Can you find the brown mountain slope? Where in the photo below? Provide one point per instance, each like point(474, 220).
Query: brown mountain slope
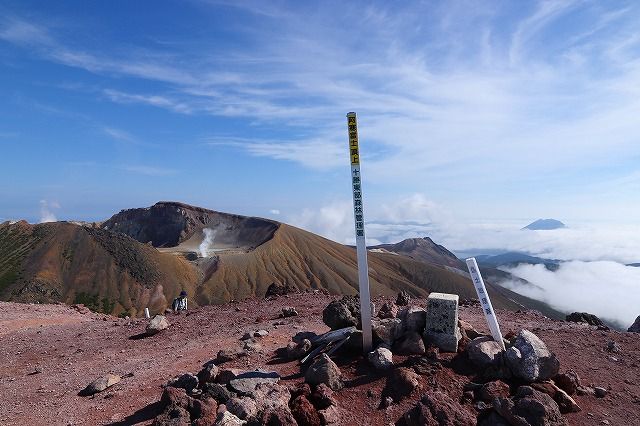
point(168, 224)
point(305, 260)
point(425, 250)
point(76, 264)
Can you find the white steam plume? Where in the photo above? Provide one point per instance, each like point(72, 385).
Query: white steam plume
point(205, 245)
point(46, 213)
point(610, 290)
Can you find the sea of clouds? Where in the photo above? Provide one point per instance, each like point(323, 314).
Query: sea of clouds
point(592, 277)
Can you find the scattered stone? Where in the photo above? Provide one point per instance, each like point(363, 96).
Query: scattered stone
point(468, 330)
point(243, 408)
point(300, 389)
point(403, 298)
point(410, 344)
point(156, 325)
point(529, 358)
point(273, 402)
point(388, 310)
point(288, 311)
point(387, 402)
point(496, 389)
point(442, 321)
point(216, 391)
point(613, 347)
point(413, 318)
point(187, 382)
point(251, 345)
point(584, 317)
point(100, 384)
point(400, 383)
point(280, 416)
point(600, 392)
point(342, 313)
point(484, 352)
point(208, 373)
point(246, 383)
point(276, 289)
point(568, 381)
point(298, 350)
point(227, 374)
point(387, 330)
point(381, 359)
point(585, 390)
point(304, 412)
point(437, 408)
point(322, 397)
point(226, 355)
point(260, 333)
point(304, 335)
point(330, 416)
point(246, 336)
point(635, 327)
point(529, 407)
point(324, 370)
point(227, 418)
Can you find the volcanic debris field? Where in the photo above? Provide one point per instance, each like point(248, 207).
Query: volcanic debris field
point(50, 353)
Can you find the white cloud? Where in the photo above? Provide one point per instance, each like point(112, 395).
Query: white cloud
point(149, 170)
point(274, 211)
point(583, 286)
point(46, 211)
point(332, 221)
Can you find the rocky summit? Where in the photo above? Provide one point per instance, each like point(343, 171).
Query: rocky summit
point(197, 371)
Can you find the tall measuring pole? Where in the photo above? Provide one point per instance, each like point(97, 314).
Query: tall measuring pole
point(361, 245)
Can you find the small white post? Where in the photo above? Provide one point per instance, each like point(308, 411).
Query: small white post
point(361, 245)
point(146, 313)
point(485, 302)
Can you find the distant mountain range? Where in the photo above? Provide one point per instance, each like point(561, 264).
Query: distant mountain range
point(512, 259)
point(144, 257)
point(545, 225)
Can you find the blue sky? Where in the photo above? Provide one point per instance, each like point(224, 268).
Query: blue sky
point(469, 112)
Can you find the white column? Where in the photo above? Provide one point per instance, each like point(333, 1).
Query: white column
point(361, 245)
point(485, 302)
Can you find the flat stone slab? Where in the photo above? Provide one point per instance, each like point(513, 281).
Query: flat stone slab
point(246, 383)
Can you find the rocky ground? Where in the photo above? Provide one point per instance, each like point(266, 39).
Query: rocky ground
point(49, 353)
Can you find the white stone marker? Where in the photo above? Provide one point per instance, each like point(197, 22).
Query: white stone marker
point(442, 321)
point(146, 313)
point(485, 302)
point(361, 245)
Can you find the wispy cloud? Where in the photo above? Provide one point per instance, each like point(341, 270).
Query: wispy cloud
point(149, 170)
point(500, 96)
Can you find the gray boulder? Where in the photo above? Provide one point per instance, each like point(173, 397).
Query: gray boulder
point(529, 358)
point(387, 330)
point(227, 418)
point(388, 310)
point(324, 370)
point(410, 344)
point(635, 327)
point(484, 352)
point(403, 298)
point(156, 325)
point(342, 313)
point(246, 383)
point(529, 407)
point(243, 408)
point(413, 318)
point(297, 350)
point(208, 373)
point(100, 384)
point(381, 359)
point(187, 382)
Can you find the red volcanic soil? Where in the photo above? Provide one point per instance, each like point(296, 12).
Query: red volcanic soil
point(48, 353)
